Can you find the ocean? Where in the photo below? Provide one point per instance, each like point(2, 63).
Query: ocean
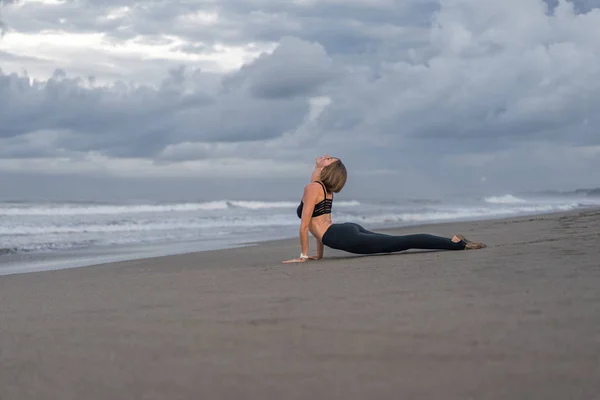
point(37, 236)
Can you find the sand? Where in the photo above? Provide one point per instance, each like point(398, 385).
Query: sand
point(518, 320)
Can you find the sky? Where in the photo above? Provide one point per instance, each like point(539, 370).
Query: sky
point(234, 99)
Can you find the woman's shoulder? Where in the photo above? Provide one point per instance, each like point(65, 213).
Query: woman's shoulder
point(315, 186)
point(313, 189)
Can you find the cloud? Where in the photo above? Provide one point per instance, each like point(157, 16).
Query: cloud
point(125, 120)
point(3, 3)
point(295, 68)
point(106, 38)
point(418, 87)
point(579, 6)
point(491, 71)
point(267, 98)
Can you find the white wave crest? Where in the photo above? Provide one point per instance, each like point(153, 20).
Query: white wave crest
point(259, 205)
point(78, 209)
point(146, 226)
point(349, 203)
point(455, 215)
point(109, 209)
point(506, 199)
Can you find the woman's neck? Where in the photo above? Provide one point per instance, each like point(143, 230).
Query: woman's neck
point(316, 175)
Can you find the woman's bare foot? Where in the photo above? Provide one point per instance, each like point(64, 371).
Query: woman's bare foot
point(469, 245)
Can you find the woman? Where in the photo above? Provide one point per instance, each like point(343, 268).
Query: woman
point(328, 177)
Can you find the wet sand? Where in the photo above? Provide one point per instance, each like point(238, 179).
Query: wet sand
point(518, 320)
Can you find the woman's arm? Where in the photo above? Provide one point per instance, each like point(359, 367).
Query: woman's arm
point(320, 250)
point(309, 198)
point(311, 192)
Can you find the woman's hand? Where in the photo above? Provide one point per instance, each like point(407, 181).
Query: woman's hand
point(295, 260)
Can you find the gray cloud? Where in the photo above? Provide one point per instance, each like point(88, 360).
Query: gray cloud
point(349, 28)
point(3, 3)
point(536, 83)
point(580, 6)
point(341, 27)
point(125, 120)
point(462, 87)
point(295, 68)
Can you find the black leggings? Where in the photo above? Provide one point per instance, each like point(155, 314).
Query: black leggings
point(353, 238)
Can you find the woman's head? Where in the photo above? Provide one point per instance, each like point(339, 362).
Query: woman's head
point(333, 173)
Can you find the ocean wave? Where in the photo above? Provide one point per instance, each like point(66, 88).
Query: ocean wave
point(45, 247)
point(595, 192)
point(506, 199)
point(8, 250)
point(17, 209)
point(65, 210)
point(47, 227)
point(145, 226)
point(260, 205)
point(455, 215)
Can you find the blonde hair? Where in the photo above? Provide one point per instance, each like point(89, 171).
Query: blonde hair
point(334, 176)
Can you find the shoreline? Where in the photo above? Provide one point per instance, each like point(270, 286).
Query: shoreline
point(102, 259)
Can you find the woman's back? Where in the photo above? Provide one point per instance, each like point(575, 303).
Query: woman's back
point(320, 219)
point(322, 207)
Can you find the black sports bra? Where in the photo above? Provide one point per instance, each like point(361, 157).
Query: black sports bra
point(321, 208)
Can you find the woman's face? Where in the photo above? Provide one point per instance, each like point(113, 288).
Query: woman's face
point(323, 161)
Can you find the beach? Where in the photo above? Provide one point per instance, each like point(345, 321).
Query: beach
point(517, 320)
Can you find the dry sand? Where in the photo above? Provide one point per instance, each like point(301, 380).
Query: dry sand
point(518, 320)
